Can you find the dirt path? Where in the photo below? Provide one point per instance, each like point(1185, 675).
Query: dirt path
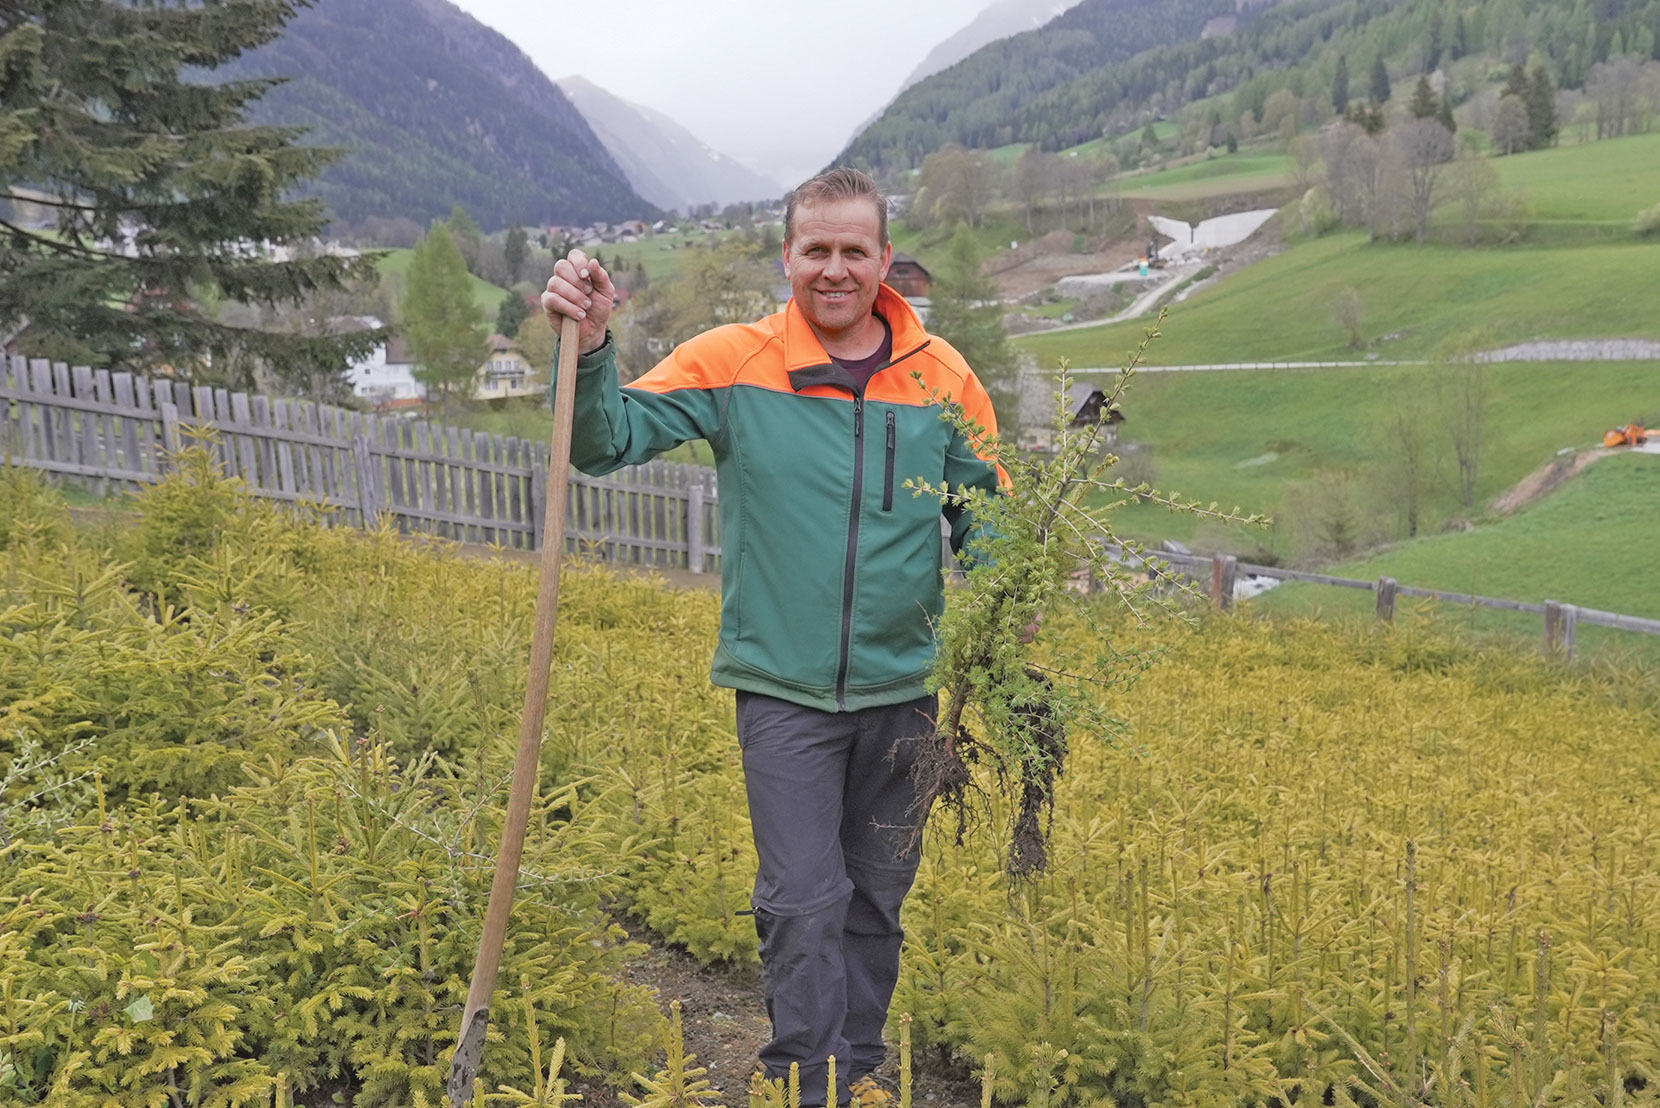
point(725, 1025)
point(1547, 478)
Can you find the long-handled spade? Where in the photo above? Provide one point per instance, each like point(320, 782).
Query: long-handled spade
point(476, 1017)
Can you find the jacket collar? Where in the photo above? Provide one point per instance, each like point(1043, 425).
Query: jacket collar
point(802, 350)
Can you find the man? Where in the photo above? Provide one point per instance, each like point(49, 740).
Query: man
point(831, 584)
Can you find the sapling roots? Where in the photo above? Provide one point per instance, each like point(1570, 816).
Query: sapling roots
point(942, 775)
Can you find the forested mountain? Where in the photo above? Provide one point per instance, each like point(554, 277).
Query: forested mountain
point(1001, 20)
point(665, 163)
point(437, 111)
point(1107, 66)
point(980, 100)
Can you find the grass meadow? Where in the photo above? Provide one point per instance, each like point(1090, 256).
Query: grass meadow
point(1231, 174)
point(1594, 543)
point(1252, 437)
point(1601, 185)
point(1416, 302)
point(394, 267)
point(1306, 445)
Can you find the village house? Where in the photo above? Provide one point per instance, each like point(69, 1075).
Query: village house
point(909, 277)
point(1083, 404)
point(385, 377)
point(506, 374)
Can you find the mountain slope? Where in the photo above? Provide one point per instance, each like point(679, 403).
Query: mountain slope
point(437, 110)
point(1106, 67)
point(1002, 19)
point(977, 101)
point(665, 163)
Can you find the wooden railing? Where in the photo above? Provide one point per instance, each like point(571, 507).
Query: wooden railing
point(116, 432)
point(1218, 576)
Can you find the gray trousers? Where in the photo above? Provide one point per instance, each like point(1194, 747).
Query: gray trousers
point(830, 794)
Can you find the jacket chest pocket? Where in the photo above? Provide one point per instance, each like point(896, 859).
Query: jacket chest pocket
point(908, 445)
point(890, 461)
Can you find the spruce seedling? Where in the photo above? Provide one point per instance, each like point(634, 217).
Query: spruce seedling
point(1002, 706)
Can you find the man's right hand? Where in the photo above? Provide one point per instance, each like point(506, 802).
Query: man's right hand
point(581, 289)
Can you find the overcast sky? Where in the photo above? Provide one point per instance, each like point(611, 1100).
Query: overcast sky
point(781, 85)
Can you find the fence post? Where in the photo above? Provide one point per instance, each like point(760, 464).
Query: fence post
point(1386, 599)
point(694, 524)
point(363, 462)
point(1224, 570)
point(1552, 643)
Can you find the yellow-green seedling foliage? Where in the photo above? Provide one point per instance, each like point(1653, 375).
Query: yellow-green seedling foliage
point(1324, 862)
point(210, 875)
point(1321, 862)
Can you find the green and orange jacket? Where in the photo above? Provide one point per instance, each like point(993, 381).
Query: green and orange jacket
point(830, 567)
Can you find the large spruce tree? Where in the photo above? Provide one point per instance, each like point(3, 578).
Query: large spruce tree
point(136, 200)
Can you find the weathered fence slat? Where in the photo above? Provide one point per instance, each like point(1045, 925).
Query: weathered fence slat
point(264, 445)
point(242, 419)
point(281, 428)
point(40, 374)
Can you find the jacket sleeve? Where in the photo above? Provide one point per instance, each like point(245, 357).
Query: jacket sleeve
point(965, 466)
point(613, 426)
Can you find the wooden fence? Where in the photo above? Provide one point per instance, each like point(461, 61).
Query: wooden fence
point(1218, 574)
point(115, 432)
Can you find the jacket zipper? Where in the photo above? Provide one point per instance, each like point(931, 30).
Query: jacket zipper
point(845, 662)
point(887, 468)
point(852, 550)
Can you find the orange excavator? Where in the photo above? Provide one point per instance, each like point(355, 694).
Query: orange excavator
point(1631, 434)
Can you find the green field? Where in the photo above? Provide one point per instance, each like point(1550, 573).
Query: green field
point(1598, 183)
point(1270, 440)
point(1416, 301)
point(662, 256)
point(488, 297)
point(1222, 175)
point(1593, 543)
point(1240, 436)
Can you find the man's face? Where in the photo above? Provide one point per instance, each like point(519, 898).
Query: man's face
point(835, 261)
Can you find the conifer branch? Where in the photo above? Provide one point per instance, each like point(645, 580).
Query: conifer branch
point(1004, 707)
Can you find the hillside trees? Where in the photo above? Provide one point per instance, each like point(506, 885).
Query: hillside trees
point(538, 343)
point(729, 283)
point(1625, 92)
point(1425, 147)
point(1511, 131)
point(1379, 86)
point(445, 328)
point(966, 312)
point(1340, 85)
point(512, 311)
point(160, 196)
point(1031, 182)
point(1103, 70)
point(1466, 415)
point(1472, 184)
point(955, 184)
point(515, 251)
point(1534, 125)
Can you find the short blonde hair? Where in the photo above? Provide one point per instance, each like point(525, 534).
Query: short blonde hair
point(843, 183)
